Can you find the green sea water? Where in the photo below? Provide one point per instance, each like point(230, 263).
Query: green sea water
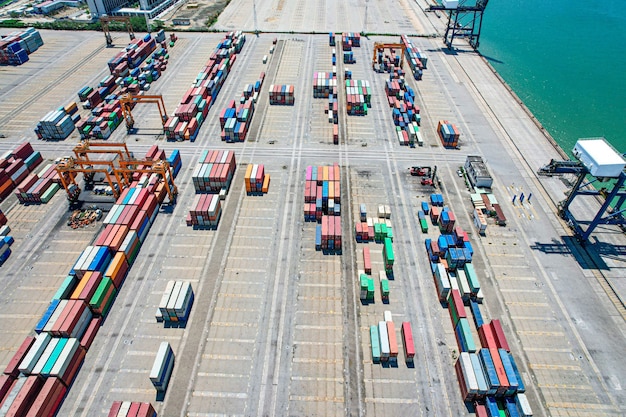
point(566, 60)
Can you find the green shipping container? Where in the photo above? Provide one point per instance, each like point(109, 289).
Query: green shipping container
point(66, 288)
point(377, 233)
point(370, 289)
point(54, 357)
point(388, 252)
point(424, 225)
point(50, 192)
point(99, 297)
point(384, 287)
point(390, 233)
point(472, 278)
point(467, 334)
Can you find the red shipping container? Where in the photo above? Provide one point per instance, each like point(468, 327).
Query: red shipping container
point(481, 410)
point(90, 333)
point(115, 408)
point(146, 410)
point(499, 336)
point(49, 399)
point(11, 368)
point(73, 367)
point(6, 383)
point(23, 151)
point(497, 362)
point(25, 397)
point(366, 258)
point(134, 410)
point(72, 318)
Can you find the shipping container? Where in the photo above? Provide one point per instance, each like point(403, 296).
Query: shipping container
point(375, 343)
point(162, 367)
point(384, 341)
point(393, 342)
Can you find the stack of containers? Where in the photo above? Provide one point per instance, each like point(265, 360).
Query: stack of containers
point(322, 192)
point(348, 57)
point(384, 286)
point(324, 84)
point(16, 46)
point(388, 256)
point(235, 119)
point(68, 327)
point(282, 94)
point(448, 133)
point(39, 187)
point(16, 165)
point(214, 172)
point(415, 57)
point(176, 302)
point(127, 75)
point(202, 93)
point(405, 113)
point(358, 97)
point(5, 243)
point(349, 40)
point(257, 181)
point(175, 162)
point(131, 409)
point(322, 203)
point(58, 124)
point(206, 211)
point(162, 367)
point(331, 39)
point(385, 343)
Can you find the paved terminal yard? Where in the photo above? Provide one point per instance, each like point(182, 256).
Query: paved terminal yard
point(277, 328)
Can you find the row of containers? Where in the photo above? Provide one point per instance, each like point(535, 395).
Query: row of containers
point(322, 193)
point(367, 286)
point(256, 180)
point(322, 200)
point(488, 370)
point(375, 229)
point(39, 374)
point(282, 94)
point(448, 133)
point(195, 104)
point(16, 46)
point(15, 167)
point(39, 187)
point(325, 86)
point(384, 342)
point(235, 120)
point(175, 304)
point(405, 113)
point(417, 59)
point(131, 409)
point(358, 97)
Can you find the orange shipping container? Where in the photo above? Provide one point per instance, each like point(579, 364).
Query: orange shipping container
point(81, 285)
point(266, 183)
point(117, 269)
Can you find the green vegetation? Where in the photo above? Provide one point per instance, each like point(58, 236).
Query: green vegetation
point(12, 23)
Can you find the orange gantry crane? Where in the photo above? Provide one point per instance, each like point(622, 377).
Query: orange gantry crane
point(128, 101)
point(117, 167)
point(382, 46)
point(105, 20)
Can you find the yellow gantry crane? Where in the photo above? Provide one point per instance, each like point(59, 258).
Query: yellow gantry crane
point(128, 101)
point(117, 168)
point(382, 46)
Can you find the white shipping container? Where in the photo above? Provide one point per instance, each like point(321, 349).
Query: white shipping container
point(183, 299)
point(174, 295)
point(35, 351)
point(387, 314)
point(65, 358)
point(384, 341)
point(45, 356)
point(55, 316)
point(523, 406)
point(479, 373)
point(468, 372)
point(166, 296)
point(124, 409)
point(159, 366)
point(464, 287)
point(10, 397)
